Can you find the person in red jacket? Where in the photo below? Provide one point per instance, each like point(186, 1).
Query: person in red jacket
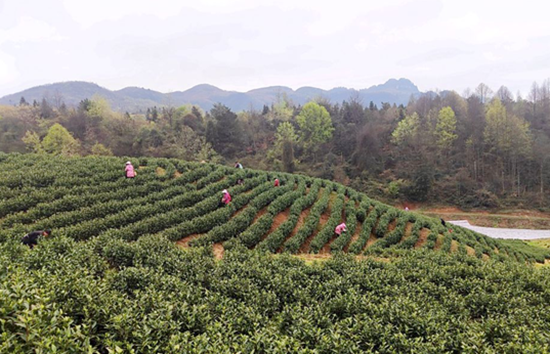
point(226, 199)
point(340, 229)
point(277, 182)
point(130, 172)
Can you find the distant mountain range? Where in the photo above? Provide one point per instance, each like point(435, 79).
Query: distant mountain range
point(136, 99)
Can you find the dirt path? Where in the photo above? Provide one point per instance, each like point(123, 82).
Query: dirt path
point(322, 221)
point(299, 223)
point(278, 220)
point(259, 215)
point(355, 236)
point(406, 233)
point(184, 242)
point(422, 238)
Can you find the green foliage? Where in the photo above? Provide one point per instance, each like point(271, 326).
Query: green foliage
point(445, 128)
point(101, 150)
point(59, 141)
point(407, 130)
point(87, 289)
point(315, 125)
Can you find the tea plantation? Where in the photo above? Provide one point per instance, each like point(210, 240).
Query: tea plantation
point(130, 267)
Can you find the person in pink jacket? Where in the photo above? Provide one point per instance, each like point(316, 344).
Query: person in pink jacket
point(341, 228)
point(226, 199)
point(130, 172)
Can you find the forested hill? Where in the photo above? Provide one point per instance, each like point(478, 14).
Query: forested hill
point(135, 99)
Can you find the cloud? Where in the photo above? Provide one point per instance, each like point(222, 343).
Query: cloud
point(29, 29)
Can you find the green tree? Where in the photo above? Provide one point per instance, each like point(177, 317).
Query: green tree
point(227, 133)
point(445, 129)
point(101, 150)
point(59, 141)
point(315, 126)
point(406, 131)
point(33, 143)
point(509, 141)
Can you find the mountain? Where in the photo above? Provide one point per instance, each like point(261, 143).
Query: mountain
point(136, 99)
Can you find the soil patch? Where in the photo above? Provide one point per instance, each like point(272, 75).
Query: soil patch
point(259, 215)
point(184, 242)
point(322, 221)
point(454, 246)
point(439, 242)
point(160, 171)
point(355, 236)
point(406, 232)
point(326, 248)
point(278, 220)
point(218, 250)
point(391, 226)
point(299, 223)
point(422, 238)
point(372, 239)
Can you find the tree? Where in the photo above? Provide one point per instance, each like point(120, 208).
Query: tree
point(59, 141)
point(406, 130)
point(315, 126)
point(23, 102)
point(46, 110)
point(282, 109)
point(33, 143)
point(227, 134)
point(101, 150)
point(508, 139)
point(445, 129)
point(286, 138)
point(483, 92)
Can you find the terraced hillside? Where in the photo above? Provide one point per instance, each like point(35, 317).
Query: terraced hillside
point(89, 197)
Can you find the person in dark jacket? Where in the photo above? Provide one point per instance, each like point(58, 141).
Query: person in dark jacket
point(31, 239)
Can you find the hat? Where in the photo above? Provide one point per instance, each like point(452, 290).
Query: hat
point(128, 163)
point(224, 191)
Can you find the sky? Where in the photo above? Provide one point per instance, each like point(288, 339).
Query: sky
point(173, 45)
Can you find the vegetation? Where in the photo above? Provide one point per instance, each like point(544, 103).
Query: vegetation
point(479, 150)
point(111, 279)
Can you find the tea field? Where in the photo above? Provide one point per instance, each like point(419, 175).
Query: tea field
point(130, 267)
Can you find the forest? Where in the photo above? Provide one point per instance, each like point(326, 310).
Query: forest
point(481, 149)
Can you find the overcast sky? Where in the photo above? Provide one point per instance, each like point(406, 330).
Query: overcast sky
point(172, 45)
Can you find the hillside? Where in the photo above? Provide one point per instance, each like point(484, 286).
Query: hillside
point(136, 99)
point(180, 201)
point(118, 275)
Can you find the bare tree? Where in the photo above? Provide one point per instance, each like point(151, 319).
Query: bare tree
point(484, 92)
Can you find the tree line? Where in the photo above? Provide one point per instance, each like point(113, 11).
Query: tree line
point(478, 149)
